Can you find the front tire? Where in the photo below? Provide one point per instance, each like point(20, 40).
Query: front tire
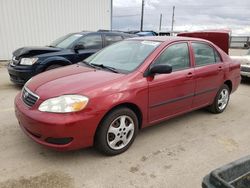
point(117, 131)
point(221, 100)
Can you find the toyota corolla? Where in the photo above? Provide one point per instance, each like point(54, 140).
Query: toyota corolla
point(105, 100)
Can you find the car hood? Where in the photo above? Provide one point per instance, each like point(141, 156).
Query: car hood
point(32, 51)
point(74, 79)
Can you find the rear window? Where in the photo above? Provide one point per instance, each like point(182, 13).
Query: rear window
point(205, 54)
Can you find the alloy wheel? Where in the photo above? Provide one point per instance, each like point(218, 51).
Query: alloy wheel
point(223, 99)
point(120, 132)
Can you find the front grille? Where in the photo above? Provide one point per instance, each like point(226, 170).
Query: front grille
point(28, 97)
point(245, 68)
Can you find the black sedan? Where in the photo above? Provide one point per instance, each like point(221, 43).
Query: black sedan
point(72, 48)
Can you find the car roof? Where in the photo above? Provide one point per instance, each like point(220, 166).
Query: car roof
point(106, 32)
point(167, 38)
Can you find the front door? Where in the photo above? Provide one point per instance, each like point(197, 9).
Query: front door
point(171, 94)
point(92, 43)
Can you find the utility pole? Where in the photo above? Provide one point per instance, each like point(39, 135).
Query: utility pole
point(111, 15)
point(142, 14)
point(172, 28)
point(160, 22)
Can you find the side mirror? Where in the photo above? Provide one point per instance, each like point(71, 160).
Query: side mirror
point(79, 47)
point(159, 69)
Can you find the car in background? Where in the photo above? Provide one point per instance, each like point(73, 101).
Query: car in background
point(147, 33)
point(245, 64)
point(106, 99)
point(142, 33)
point(69, 49)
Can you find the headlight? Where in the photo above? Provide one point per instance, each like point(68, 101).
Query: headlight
point(64, 104)
point(28, 61)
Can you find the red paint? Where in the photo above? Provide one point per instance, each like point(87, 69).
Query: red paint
point(107, 90)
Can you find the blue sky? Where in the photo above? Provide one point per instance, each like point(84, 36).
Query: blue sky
point(189, 15)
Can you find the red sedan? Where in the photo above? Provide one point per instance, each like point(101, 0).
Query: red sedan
point(105, 100)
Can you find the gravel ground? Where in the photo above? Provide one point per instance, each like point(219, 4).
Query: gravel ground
point(176, 153)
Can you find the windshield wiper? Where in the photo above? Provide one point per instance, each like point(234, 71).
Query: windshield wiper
point(88, 64)
point(105, 67)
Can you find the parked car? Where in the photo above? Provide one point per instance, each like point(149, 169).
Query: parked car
point(147, 33)
point(142, 33)
point(245, 64)
point(67, 50)
point(106, 99)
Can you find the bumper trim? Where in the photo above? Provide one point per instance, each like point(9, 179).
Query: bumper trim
point(44, 143)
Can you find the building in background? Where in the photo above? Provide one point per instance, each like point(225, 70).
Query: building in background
point(39, 22)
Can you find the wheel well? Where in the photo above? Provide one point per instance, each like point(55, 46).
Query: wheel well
point(61, 63)
point(131, 106)
point(229, 84)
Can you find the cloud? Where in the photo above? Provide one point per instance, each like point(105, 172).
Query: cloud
point(189, 15)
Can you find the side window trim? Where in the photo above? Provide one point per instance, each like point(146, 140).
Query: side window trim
point(218, 54)
point(169, 45)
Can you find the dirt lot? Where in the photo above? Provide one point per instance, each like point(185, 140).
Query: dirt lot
point(174, 154)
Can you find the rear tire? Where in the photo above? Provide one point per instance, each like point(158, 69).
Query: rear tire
point(117, 131)
point(221, 100)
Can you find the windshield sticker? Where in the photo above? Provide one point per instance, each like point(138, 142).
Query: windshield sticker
point(152, 43)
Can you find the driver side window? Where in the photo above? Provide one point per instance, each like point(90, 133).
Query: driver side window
point(176, 55)
point(91, 42)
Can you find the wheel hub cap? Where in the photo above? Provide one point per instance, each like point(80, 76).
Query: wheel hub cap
point(120, 132)
point(223, 99)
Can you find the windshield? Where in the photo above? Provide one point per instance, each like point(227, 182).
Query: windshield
point(123, 56)
point(65, 41)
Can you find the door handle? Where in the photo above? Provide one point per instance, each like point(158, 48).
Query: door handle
point(190, 75)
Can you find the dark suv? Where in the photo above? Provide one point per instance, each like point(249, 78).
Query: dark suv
point(72, 48)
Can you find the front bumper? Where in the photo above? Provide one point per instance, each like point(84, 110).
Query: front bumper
point(20, 74)
point(245, 70)
point(75, 130)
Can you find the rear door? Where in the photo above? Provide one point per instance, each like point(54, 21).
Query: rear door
point(170, 94)
point(209, 73)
